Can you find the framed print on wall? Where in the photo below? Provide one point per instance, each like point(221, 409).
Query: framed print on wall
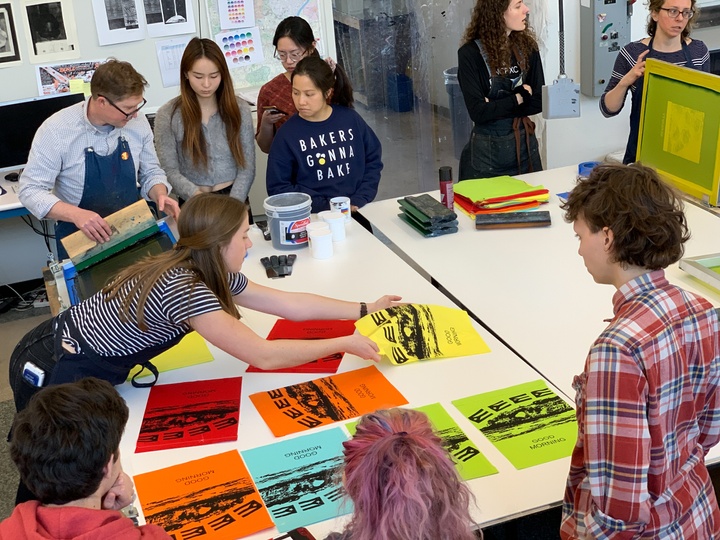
point(9, 50)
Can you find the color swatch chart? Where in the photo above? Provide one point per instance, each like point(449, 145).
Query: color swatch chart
point(241, 47)
point(236, 13)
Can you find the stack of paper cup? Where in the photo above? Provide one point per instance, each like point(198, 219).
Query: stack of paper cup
point(336, 221)
point(321, 242)
point(316, 225)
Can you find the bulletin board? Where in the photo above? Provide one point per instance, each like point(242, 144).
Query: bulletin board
point(20, 79)
point(680, 128)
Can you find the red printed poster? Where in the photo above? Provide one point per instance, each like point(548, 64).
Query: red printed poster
point(190, 414)
point(285, 329)
point(212, 498)
point(323, 401)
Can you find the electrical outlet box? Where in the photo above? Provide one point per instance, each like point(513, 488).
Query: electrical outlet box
point(561, 99)
point(604, 30)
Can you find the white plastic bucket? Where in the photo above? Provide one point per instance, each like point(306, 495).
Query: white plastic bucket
point(288, 214)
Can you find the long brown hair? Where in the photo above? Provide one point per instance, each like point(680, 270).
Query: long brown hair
point(488, 25)
point(194, 143)
point(207, 223)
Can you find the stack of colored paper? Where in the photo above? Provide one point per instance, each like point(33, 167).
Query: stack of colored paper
point(496, 195)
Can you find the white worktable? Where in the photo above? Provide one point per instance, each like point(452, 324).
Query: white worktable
point(529, 285)
point(364, 269)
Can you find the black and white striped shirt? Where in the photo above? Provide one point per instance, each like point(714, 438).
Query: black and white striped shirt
point(171, 302)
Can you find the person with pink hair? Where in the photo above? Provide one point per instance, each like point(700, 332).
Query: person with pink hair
point(402, 482)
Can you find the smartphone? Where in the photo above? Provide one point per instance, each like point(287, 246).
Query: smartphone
point(273, 109)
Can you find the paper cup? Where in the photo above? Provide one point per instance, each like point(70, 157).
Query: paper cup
point(336, 222)
point(321, 243)
point(316, 226)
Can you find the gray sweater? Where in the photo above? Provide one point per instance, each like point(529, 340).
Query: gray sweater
point(183, 175)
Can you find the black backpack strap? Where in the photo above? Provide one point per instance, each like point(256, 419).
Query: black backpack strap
point(152, 369)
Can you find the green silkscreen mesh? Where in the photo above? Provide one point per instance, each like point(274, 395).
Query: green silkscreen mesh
point(680, 130)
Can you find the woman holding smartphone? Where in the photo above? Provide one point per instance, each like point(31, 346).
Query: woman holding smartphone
point(293, 41)
point(326, 150)
point(204, 137)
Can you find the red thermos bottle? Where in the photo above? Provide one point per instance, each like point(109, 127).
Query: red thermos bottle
point(446, 187)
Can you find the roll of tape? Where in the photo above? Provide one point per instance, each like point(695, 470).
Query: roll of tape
point(585, 168)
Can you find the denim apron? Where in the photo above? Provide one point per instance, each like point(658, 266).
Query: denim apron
point(71, 367)
point(631, 149)
point(109, 185)
point(506, 146)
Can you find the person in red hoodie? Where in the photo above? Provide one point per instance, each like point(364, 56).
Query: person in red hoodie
point(66, 445)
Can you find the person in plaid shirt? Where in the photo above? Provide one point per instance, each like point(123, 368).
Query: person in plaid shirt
point(648, 406)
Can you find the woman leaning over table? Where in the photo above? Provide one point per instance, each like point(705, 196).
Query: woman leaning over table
point(151, 305)
point(501, 78)
point(669, 30)
point(204, 137)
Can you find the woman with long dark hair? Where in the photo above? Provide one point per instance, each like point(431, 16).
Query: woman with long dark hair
point(326, 150)
point(501, 78)
point(204, 137)
point(293, 41)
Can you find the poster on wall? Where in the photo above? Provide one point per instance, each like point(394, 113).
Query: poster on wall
point(169, 17)
point(241, 47)
point(118, 21)
point(169, 54)
point(236, 13)
point(9, 51)
point(66, 77)
point(50, 30)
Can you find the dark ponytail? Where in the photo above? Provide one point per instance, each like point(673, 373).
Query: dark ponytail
point(323, 77)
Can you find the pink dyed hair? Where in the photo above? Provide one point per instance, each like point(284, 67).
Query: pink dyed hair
point(402, 482)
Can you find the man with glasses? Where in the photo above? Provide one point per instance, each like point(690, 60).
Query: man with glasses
point(87, 160)
point(668, 28)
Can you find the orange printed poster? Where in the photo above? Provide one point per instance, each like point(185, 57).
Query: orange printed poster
point(212, 498)
point(323, 401)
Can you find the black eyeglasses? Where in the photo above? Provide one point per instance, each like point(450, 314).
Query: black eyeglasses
point(128, 115)
point(674, 12)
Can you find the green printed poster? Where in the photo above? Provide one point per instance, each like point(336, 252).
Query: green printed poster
point(528, 423)
point(469, 461)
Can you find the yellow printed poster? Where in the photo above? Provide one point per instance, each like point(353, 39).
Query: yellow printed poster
point(413, 332)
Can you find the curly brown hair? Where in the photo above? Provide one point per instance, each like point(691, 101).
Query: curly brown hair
point(654, 7)
point(644, 213)
point(488, 25)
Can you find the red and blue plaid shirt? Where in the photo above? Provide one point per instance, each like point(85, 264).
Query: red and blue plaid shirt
point(648, 410)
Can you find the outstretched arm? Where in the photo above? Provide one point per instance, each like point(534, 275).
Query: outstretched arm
point(305, 306)
point(236, 339)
